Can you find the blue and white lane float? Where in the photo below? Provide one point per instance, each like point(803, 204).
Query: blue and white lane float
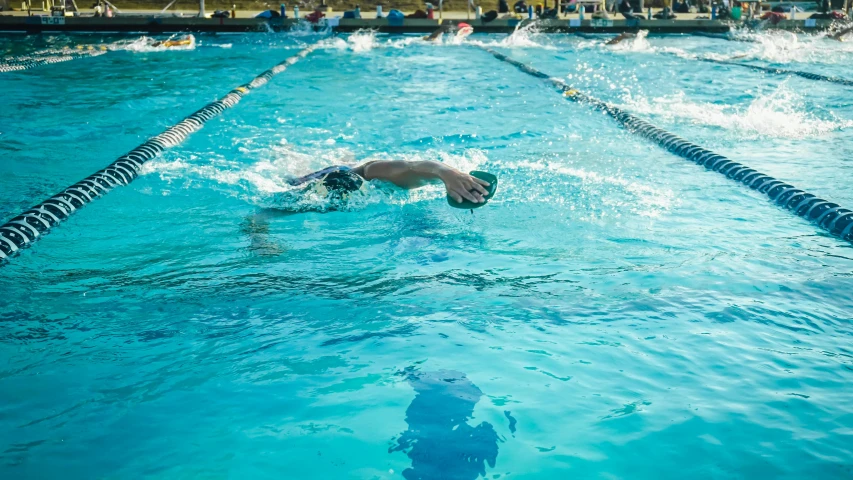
point(47, 57)
point(773, 70)
point(782, 71)
point(24, 229)
point(830, 216)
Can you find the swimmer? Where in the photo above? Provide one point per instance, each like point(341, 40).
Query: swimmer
point(340, 180)
point(181, 42)
point(463, 31)
point(839, 35)
point(463, 191)
point(620, 38)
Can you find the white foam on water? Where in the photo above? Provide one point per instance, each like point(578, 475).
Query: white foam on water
point(773, 46)
point(405, 42)
point(456, 39)
point(638, 44)
point(304, 28)
point(334, 43)
point(362, 41)
point(528, 36)
point(613, 191)
point(780, 113)
point(779, 46)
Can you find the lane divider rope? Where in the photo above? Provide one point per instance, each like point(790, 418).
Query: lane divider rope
point(830, 216)
point(782, 71)
point(26, 62)
point(775, 71)
point(26, 228)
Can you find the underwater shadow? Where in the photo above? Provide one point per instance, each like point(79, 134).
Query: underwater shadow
point(439, 440)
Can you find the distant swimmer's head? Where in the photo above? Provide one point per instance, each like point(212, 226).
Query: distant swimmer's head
point(464, 30)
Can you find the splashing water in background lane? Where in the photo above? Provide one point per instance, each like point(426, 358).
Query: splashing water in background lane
point(778, 111)
point(366, 40)
point(781, 113)
point(781, 47)
point(527, 36)
point(362, 41)
point(304, 28)
point(591, 191)
point(776, 47)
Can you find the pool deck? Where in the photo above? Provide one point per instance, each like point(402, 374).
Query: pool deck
point(154, 22)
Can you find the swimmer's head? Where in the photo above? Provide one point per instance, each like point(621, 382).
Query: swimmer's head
point(337, 186)
point(341, 182)
point(464, 30)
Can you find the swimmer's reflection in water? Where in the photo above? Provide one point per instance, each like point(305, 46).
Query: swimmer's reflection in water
point(439, 440)
point(257, 228)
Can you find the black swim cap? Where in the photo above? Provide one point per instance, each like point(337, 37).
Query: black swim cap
point(342, 182)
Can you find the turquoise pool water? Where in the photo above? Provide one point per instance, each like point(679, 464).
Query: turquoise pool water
point(616, 311)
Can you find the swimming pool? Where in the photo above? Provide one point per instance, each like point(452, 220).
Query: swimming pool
point(615, 312)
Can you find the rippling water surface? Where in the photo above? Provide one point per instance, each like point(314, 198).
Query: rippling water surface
point(615, 312)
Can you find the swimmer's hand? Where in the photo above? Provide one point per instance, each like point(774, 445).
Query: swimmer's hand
point(463, 186)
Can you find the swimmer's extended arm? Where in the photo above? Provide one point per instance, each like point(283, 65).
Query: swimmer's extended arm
point(442, 29)
point(838, 35)
point(615, 40)
point(417, 174)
